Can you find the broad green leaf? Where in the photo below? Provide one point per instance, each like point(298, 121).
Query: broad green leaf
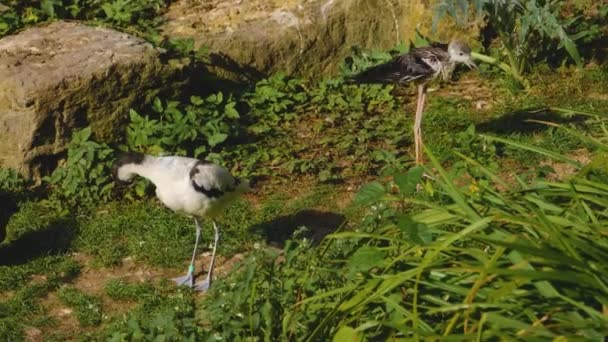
point(407, 182)
point(157, 106)
point(415, 231)
point(231, 112)
point(217, 139)
point(347, 334)
point(370, 193)
point(366, 258)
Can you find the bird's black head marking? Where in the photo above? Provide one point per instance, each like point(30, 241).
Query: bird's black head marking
point(124, 158)
point(194, 170)
point(211, 193)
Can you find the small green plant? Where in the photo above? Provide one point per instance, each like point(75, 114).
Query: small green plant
point(320, 114)
point(274, 101)
point(20, 306)
point(256, 303)
point(139, 14)
point(87, 308)
point(12, 192)
point(125, 12)
point(86, 177)
point(470, 144)
point(11, 181)
point(122, 290)
point(163, 313)
point(37, 217)
point(529, 31)
point(195, 129)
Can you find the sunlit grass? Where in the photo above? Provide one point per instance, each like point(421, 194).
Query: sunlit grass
point(492, 250)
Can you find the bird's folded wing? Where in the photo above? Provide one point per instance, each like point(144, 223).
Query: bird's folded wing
point(401, 69)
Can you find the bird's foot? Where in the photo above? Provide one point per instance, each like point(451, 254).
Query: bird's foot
point(187, 280)
point(202, 286)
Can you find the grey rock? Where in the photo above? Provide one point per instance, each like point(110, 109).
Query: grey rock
point(254, 38)
point(63, 76)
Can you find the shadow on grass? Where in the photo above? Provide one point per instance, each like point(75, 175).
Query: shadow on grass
point(7, 209)
point(317, 223)
point(524, 121)
point(56, 238)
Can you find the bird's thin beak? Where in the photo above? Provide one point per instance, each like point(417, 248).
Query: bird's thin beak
point(472, 64)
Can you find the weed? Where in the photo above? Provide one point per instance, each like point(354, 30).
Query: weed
point(20, 308)
point(11, 181)
point(85, 179)
point(177, 128)
point(274, 102)
point(163, 313)
point(331, 108)
point(122, 290)
point(34, 218)
point(87, 308)
point(528, 30)
point(153, 234)
point(140, 14)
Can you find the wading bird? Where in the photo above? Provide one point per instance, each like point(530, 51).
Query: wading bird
point(420, 65)
point(194, 187)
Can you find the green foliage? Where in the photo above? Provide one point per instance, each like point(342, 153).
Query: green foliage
point(36, 217)
point(10, 329)
point(122, 290)
point(194, 129)
point(146, 232)
point(475, 147)
point(162, 314)
point(318, 115)
point(54, 268)
point(125, 12)
point(87, 308)
point(11, 181)
point(530, 31)
point(258, 303)
point(153, 234)
point(120, 13)
point(12, 192)
point(459, 261)
point(86, 177)
point(273, 102)
point(18, 309)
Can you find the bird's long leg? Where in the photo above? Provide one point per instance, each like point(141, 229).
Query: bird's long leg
point(415, 122)
point(188, 279)
point(204, 286)
point(418, 123)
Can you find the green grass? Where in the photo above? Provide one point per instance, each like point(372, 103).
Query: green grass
point(161, 312)
point(87, 308)
point(22, 307)
point(458, 257)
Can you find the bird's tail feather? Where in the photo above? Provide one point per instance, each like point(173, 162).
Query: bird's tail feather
point(382, 73)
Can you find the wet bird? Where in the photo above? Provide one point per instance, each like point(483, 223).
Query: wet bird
point(419, 65)
point(190, 186)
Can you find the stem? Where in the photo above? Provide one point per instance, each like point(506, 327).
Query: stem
point(503, 66)
point(491, 60)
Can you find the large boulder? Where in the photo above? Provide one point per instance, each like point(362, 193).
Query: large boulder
point(62, 76)
point(309, 38)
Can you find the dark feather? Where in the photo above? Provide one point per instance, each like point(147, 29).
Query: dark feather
point(404, 68)
point(210, 193)
point(124, 158)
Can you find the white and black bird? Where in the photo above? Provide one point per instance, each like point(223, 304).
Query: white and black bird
point(190, 186)
point(419, 65)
